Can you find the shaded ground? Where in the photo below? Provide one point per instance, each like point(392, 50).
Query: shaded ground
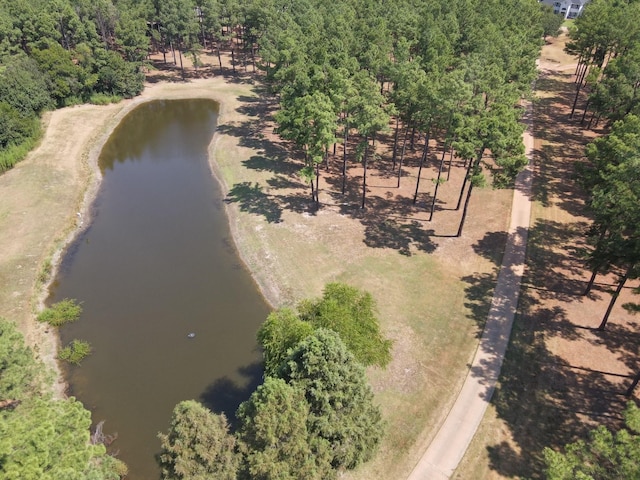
point(560, 377)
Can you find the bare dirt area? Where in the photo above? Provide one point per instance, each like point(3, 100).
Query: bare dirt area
point(433, 290)
point(561, 376)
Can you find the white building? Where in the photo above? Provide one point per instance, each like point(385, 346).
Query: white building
point(566, 8)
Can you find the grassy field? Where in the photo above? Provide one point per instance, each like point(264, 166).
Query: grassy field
point(432, 290)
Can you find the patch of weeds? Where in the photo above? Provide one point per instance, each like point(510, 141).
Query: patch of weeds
point(61, 312)
point(75, 352)
point(104, 99)
point(45, 271)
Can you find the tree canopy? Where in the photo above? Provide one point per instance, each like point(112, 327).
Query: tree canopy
point(42, 438)
point(198, 445)
point(342, 308)
point(342, 412)
point(605, 456)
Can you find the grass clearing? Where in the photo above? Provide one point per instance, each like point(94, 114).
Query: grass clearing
point(432, 290)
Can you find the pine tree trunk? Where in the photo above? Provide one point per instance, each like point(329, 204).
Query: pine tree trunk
point(575, 100)
point(464, 210)
point(233, 58)
point(594, 273)
point(435, 192)
point(404, 146)
point(344, 155)
point(395, 144)
point(450, 162)
point(603, 324)
point(425, 152)
point(181, 66)
point(472, 164)
point(633, 385)
point(318, 186)
point(584, 114)
point(464, 184)
point(364, 175)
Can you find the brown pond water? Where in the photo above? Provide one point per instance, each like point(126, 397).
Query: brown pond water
point(156, 264)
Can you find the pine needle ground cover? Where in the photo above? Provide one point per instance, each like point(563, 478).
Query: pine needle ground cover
point(560, 378)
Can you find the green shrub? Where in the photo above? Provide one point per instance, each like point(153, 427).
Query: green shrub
point(45, 271)
point(72, 101)
point(60, 313)
point(12, 154)
point(104, 99)
point(75, 352)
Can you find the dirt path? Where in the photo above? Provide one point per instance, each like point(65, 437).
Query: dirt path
point(454, 436)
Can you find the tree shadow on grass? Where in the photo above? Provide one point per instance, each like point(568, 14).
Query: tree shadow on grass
point(225, 396)
point(545, 401)
point(387, 232)
point(252, 199)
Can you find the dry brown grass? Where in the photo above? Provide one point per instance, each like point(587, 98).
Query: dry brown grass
point(432, 290)
point(560, 376)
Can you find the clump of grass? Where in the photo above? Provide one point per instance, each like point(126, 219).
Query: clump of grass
point(104, 99)
point(45, 271)
point(75, 352)
point(60, 313)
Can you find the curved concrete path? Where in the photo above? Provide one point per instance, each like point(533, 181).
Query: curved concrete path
point(450, 443)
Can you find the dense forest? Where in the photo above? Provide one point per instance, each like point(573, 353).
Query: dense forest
point(437, 73)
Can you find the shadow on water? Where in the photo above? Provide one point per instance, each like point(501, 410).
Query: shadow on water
point(225, 395)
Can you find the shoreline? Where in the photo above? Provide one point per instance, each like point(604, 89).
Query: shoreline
point(290, 250)
point(205, 88)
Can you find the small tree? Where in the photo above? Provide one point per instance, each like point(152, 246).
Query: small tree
point(352, 314)
point(280, 333)
point(198, 445)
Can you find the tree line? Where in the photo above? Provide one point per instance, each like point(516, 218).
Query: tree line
point(606, 41)
point(449, 74)
point(60, 53)
point(441, 73)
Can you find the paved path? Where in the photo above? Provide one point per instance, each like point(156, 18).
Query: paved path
point(451, 442)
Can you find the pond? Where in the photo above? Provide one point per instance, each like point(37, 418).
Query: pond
point(168, 307)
